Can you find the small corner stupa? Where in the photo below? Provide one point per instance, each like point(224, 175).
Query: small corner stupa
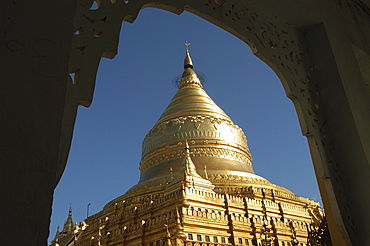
point(197, 187)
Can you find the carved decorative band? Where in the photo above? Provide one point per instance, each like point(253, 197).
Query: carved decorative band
point(194, 119)
point(166, 132)
point(209, 151)
point(231, 178)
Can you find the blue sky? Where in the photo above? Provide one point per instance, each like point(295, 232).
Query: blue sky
point(133, 89)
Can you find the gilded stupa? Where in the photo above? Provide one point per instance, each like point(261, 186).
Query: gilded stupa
point(197, 187)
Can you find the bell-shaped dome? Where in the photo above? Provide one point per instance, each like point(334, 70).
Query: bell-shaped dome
point(192, 116)
point(217, 157)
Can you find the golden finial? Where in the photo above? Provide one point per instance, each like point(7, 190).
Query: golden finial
point(187, 146)
point(187, 45)
point(187, 62)
point(205, 172)
point(168, 237)
point(171, 174)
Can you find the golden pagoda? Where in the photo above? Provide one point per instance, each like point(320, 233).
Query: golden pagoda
point(197, 187)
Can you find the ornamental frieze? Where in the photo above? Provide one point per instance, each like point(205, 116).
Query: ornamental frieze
point(195, 120)
point(226, 177)
point(153, 149)
point(208, 128)
point(211, 151)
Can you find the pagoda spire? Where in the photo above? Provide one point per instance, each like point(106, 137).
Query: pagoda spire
point(188, 168)
point(189, 78)
point(68, 225)
point(168, 237)
point(179, 229)
point(188, 61)
point(57, 232)
point(188, 176)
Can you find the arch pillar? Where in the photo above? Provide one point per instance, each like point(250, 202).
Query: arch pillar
point(35, 44)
